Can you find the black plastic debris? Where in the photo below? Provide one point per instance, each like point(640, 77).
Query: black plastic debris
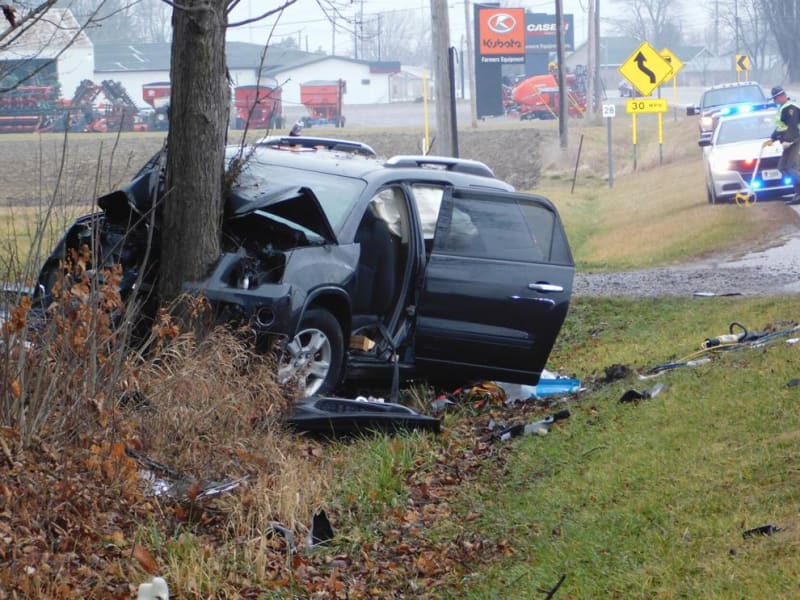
point(617, 371)
point(541, 427)
point(321, 530)
point(328, 416)
point(276, 528)
point(635, 395)
point(763, 530)
point(793, 382)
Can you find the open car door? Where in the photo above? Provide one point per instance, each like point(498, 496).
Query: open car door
point(496, 287)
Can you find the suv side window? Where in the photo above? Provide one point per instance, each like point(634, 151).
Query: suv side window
point(499, 229)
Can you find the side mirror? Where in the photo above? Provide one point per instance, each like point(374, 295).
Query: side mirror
point(704, 142)
point(691, 111)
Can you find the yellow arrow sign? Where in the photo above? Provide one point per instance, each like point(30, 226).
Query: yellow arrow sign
point(674, 62)
point(646, 105)
point(742, 63)
point(646, 69)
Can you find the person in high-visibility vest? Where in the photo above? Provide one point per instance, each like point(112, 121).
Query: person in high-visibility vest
point(787, 132)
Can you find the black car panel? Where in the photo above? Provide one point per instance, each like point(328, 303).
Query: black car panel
point(496, 287)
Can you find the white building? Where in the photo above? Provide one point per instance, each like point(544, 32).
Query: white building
point(365, 82)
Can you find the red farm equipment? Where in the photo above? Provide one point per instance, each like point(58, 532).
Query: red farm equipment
point(258, 106)
point(28, 108)
point(157, 94)
point(323, 99)
point(537, 97)
point(101, 108)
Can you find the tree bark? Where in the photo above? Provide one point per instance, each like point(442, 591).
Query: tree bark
point(192, 206)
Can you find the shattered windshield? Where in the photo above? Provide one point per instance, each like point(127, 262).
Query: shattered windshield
point(336, 193)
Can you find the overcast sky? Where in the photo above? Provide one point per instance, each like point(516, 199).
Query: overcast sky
point(306, 22)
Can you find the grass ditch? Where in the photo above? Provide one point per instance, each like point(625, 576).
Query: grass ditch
point(626, 500)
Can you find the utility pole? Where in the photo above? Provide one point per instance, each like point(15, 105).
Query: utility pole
point(562, 81)
point(591, 61)
point(333, 34)
point(473, 108)
point(716, 27)
point(598, 81)
point(440, 33)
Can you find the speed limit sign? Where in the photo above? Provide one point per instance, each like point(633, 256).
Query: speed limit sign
point(609, 110)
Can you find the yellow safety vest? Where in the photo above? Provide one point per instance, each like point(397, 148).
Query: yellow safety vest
point(780, 126)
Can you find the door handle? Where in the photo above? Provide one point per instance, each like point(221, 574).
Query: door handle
point(545, 287)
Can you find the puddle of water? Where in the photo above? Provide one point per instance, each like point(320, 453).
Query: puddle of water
point(785, 257)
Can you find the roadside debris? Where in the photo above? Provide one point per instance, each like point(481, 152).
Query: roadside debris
point(321, 530)
point(541, 427)
point(550, 384)
point(763, 530)
point(157, 589)
point(635, 395)
point(328, 416)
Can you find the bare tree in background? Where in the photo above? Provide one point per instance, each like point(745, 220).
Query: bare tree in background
point(753, 34)
point(783, 17)
point(403, 35)
point(655, 21)
point(123, 20)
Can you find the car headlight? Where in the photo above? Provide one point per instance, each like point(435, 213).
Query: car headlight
point(719, 164)
point(706, 122)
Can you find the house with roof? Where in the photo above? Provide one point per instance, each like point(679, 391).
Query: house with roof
point(53, 50)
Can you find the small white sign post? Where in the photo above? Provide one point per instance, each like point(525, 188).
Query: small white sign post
point(609, 112)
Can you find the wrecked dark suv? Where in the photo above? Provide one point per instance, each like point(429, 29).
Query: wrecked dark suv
point(362, 268)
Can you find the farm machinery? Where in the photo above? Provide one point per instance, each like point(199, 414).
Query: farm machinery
point(537, 97)
point(323, 99)
point(258, 106)
point(157, 95)
point(30, 109)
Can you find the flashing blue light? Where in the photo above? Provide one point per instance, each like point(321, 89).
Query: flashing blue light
point(756, 185)
point(726, 111)
point(788, 180)
point(745, 108)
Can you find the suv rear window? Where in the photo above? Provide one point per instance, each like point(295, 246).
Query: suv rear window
point(733, 95)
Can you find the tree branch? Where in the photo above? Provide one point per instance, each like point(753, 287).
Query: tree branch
point(273, 11)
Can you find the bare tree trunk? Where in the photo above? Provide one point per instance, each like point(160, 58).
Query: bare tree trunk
point(192, 210)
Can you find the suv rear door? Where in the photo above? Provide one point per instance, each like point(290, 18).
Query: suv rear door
point(496, 287)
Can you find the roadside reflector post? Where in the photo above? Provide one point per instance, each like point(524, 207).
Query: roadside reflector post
point(609, 112)
point(661, 138)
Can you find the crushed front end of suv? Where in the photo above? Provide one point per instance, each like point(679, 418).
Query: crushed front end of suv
point(357, 268)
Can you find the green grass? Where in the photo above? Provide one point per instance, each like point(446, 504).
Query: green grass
point(650, 500)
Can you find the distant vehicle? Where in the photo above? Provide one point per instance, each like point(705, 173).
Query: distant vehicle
point(626, 90)
point(258, 106)
point(731, 155)
point(720, 97)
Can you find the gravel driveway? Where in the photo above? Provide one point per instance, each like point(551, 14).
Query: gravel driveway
point(772, 270)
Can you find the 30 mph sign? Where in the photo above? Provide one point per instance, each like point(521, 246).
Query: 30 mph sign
point(646, 69)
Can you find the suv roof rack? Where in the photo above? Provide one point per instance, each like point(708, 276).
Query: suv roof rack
point(315, 143)
point(444, 163)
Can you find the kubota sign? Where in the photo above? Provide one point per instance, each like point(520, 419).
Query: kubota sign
point(501, 35)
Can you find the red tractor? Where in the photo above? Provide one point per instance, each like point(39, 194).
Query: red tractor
point(258, 106)
point(537, 97)
point(323, 99)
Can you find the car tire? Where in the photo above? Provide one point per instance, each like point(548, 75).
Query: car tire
point(313, 358)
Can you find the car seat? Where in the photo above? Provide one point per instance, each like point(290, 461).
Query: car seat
point(376, 286)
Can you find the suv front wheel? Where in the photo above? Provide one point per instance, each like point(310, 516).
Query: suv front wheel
point(313, 358)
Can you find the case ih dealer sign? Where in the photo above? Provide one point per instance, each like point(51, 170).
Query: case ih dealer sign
point(501, 35)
